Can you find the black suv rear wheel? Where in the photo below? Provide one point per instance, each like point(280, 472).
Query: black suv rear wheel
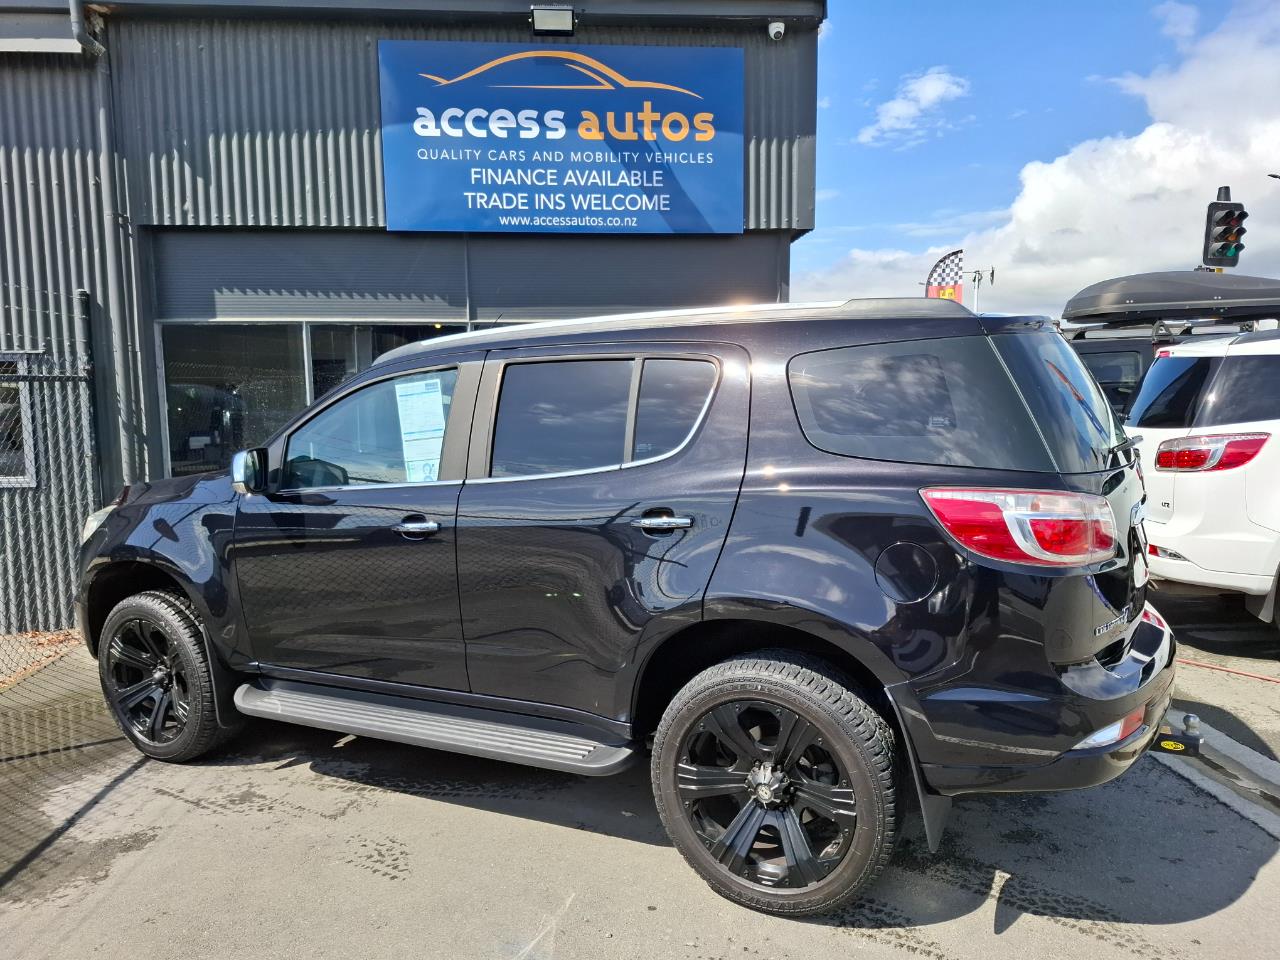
point(151, 662)
point(777, 783)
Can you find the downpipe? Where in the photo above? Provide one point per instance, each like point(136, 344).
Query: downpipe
point(80, 31)
point(115, 304)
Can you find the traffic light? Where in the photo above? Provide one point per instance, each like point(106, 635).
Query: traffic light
point(1223, 233)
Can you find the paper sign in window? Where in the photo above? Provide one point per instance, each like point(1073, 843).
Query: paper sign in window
point(421, 408)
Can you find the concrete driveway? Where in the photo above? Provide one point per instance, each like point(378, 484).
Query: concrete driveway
point(298, 843)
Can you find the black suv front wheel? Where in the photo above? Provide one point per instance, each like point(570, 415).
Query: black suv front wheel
point(154, 674)
point(777, 783)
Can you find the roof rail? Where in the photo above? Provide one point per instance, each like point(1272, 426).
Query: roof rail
point(1258, 336)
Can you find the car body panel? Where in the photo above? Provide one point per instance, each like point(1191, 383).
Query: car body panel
point(390, 608)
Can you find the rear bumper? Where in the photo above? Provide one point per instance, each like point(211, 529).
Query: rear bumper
point(1073, 770)
point(1171, 571)
point(984, 740)
point(1224, 553)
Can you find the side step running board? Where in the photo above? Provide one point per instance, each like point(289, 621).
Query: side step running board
point(535, 741)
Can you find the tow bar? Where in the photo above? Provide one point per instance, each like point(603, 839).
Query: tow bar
point(1185, 742)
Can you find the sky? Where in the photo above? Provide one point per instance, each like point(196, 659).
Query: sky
point(1060, 143)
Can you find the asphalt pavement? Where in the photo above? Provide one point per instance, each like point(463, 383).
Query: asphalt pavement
point(298, 843)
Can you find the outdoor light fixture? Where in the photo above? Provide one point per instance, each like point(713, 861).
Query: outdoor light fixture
point(551, 18)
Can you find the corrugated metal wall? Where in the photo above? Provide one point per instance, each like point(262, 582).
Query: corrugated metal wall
point(363, 275)
point(50, 206)
point(262, 123)
point(51, 244)
point(258, 123)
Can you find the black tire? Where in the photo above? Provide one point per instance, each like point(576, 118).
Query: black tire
point(849, 770)
point(151, 661)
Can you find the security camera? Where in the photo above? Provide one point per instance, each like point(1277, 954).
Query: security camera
point(777, 29)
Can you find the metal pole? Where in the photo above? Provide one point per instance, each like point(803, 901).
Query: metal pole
point(84, 333)
point(127, 414)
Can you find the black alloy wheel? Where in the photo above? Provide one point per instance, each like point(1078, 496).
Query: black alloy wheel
point(146, 682)
point(155, 675)
point(777, 783)
point(766, 796)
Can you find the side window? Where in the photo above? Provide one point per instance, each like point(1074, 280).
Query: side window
point(561, 415)
point(1247, 389)
point(1171, 392)
point(944, 401)
point(672, 395)
point(390, 432)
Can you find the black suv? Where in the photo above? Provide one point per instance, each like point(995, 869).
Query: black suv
point(819, 559)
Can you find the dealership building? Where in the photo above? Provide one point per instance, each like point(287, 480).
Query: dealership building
point(213, 212)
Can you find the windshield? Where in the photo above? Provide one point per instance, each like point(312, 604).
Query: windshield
point(1069, 407)
point(1171, 391)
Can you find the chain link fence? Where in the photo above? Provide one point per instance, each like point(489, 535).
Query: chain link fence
point(53, 724)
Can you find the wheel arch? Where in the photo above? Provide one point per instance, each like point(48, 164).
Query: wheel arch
point(118, 580)
point(733, 629)
point(685, 653)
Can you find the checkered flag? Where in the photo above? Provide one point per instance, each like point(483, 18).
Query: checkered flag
point(946, 279)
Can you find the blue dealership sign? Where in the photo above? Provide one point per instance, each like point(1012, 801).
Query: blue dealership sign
point(523, 138)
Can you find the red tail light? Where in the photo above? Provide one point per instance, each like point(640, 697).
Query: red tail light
point(1047, 528)
point(1220, 451)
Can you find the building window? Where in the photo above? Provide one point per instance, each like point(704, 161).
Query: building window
point(229, 386)
point(17, 454)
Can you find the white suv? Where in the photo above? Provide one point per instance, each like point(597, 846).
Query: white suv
point(1206, 421)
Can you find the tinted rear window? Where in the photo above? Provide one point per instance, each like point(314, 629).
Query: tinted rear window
point(672, 394)
point(1246, 389)
point(1171, 391)
point(946, 401)
point(1074, 415)
point(1114, 367)
point(561, 416)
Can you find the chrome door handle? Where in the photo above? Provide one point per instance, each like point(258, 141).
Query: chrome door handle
point(416, 526)
point(663, 523)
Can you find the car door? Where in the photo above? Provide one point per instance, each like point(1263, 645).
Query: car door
point(601, 482)
point(347, 567)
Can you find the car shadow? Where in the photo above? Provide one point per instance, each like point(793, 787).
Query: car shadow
point(1149, 848)
point(1218, 633)
point(1220, 626)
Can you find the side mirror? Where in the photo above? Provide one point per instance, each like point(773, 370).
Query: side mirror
point(249, 471)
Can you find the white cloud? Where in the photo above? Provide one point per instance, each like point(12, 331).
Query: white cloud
point(1178, 21)
point(827, 194)
point(952, 223)
point(824, 102)
point(912, 114)
point(1119, 205)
